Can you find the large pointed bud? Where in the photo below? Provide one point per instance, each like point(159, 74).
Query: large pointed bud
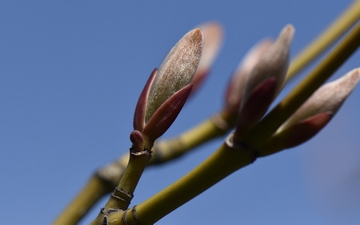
point(167, 89)
point(314, 114)
point(264, 83)
point(176, 71)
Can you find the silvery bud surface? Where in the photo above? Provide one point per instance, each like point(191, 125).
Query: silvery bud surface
point(167, 89)
point(314, 114)
point(273, 63)
point(327, 98)
point(176, 71)
point(264, 82)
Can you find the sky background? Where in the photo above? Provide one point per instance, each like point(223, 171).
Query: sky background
point(71, 73)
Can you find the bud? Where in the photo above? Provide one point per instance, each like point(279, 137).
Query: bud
point(264, 83)
point(237, 82)
point(176, 71)
point(314, 114)
point(137, 139)
point(168, 88)
point(274, 62)
point(329, 98)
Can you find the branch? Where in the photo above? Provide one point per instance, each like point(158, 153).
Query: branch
point(346, 20)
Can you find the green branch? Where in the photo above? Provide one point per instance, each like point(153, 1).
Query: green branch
point(219, 165)
point(347, 19)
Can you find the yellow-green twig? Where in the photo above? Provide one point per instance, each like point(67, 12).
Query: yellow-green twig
point(219, 165)
point(89, 195)
point(347, 19)
point(121, 197)
point(166, 150)
point(105, 179)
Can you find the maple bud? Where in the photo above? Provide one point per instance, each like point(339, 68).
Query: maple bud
point(167, 89)
point(315, 113)
point(264, 83)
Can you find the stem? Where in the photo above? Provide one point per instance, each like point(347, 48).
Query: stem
point(121, 197)
point(89, 195)
point(304, 90)
point(347, 19)
point(129, 180)
point(107, 177)
point(215, 168)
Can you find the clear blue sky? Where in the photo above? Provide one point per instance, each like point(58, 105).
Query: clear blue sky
point(70, 75)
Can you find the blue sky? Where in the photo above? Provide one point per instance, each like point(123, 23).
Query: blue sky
point(70, 75)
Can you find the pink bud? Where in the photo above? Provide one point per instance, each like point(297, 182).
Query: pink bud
point(327, 98)
point(264, 83)
point(176, 71)
point(167, 90)
point(314, 114)
point(137, 139)
point(273, 63)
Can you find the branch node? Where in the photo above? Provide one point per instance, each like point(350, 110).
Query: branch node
point(133, 211)
point(124, 217)
point(138, 153)
point(121, 195)
point(105, 220)
point(240, 146)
